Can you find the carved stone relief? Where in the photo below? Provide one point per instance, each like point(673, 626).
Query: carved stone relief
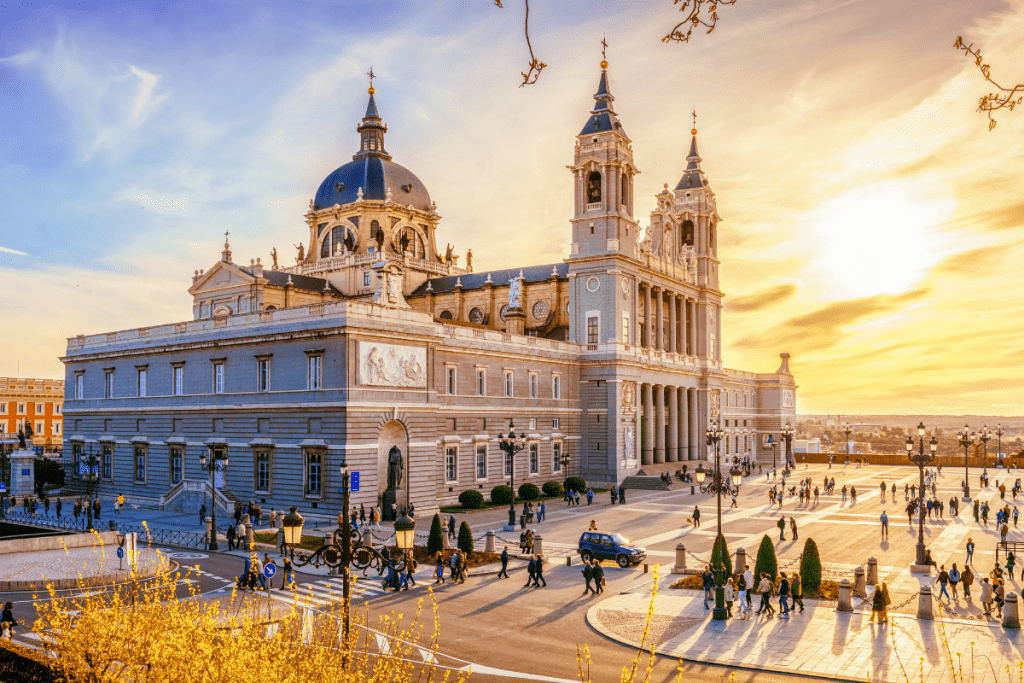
point(389, 365)
point(788, 398)
point(716, 397)
point(628, 395)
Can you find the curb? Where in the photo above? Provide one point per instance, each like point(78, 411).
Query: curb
point(161, 567)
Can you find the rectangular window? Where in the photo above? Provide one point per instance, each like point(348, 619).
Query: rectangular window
point(711, 348)
point(366, 278)
point(218, 378)
point(262, 470)
point(481, 461)
point(140, 463)
point(57, 409)
point(625, 328)
point(316, 372)
point(39, 427)
point(314, 472)
point(263, 375)
point(142, 382)
point(592, 330)
point(533, 423)
point(451, 464)
point(450, 380)
point(3, 408)
point(40, 410)
point(56, 428)
point(179, 380)
point(108, 384)
point(508, 384)
point(534, 458)
point(108, 461)
point(554, 423)
point(175, 465)
point(556, 387)
point(556, 456)
point(481, 382)
point(534, 388)
point(508, 465)
point(79, 385)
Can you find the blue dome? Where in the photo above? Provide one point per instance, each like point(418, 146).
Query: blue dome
point(376, 176)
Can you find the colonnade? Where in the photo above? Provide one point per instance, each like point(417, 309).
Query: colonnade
point(670, 435)
point(681, 326)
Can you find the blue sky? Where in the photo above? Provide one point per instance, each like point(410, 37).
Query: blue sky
point(865, 201)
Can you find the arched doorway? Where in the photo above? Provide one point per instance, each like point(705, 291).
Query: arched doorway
point(393, 435)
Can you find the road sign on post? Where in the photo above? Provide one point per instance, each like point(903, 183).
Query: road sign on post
point(3, 487)
point(269, 570)
point(120, 558)
point(355, 481)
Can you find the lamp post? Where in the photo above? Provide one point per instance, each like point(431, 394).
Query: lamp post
point(921, 459)
point(92, 471)
point(983, 436)
point(718, 485)
point(565, 459)
point(213, 465)
point(999, 443)
point(787, 434)
point(847, 430)
point(511, 445)
point(965, 439)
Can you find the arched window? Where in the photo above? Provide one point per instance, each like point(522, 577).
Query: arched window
point(622, 197)
point(446, 315)
point(377, 234)
point(594, 188)
point(688, 233)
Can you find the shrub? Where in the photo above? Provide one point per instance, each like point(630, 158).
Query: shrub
point(576, 484)
point(471, 499)
point(435, 542)
point(810, 567)
point(529, 491)
point(721, 550)
point(766, 561)
point(465, 539)
point(501, 495)
point(552, 488)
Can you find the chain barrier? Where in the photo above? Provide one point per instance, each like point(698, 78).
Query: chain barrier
point(945, 608)
point(893, 608)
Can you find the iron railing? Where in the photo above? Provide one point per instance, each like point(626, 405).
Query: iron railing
point(172, 537)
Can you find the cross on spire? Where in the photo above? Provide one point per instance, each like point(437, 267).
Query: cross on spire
point(604, 46)
point(694, 117)
point(371, 75)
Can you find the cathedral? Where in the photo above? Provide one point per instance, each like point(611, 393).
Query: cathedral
point(376, 353)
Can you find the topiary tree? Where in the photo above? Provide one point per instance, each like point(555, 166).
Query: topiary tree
point(465, 539)
point(576, 484)
point(501, 495)
point(435, 542)
point(766, 562)
point(471, 499)
point(49, 475)
point(721, 551)
point(810, 567)
point(552, 488)
point(529, 491)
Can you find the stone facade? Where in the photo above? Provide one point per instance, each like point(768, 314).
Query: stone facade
point(373, 341)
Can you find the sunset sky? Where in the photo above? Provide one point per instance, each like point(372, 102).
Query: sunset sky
point(873, 226)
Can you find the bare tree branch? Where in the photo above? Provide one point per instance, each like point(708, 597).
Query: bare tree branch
point(1008, 98)
point(536, 66)
point(682, 31)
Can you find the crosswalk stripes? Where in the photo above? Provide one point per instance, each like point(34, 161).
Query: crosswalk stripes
point(324, 592)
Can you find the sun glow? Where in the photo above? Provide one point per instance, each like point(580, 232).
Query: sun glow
point(873, 242)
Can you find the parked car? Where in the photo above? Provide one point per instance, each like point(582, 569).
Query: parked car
point(610, 546)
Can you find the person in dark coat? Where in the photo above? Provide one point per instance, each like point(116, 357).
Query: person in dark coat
point(503, 574)
point(60, 506)
point(96, 508)
point(622, 496)
point(538, 573)
point(231, 536)
point(613, 491)
point(531, 572)
point(598, 577)
point(7, 621)
point(451, 527)
point(202, 513)
point(588, 575)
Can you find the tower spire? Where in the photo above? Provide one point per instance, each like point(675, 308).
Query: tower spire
point(602, 116)
point(371, 130)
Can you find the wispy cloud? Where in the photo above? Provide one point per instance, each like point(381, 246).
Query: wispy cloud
point(6, 250)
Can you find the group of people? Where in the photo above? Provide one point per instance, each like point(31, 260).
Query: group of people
point(456, 564)
point(789, 590)
point(33, 505)
point(254, 572)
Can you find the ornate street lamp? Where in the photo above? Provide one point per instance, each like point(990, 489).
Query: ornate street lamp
point(966, 439)
point(511, 445)
point(718, 485)
point(921, 459)
point(999, 443)
point(92, 472)
point(983, 437)
point(787, 434)
point(213, 466)
point(565, 460)
point(847, 430)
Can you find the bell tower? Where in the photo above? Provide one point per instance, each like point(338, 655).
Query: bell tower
point(603, 174)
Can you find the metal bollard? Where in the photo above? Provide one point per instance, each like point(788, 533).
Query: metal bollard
point(1011, 614)
point(872, 571)
point(538, 544)
point(367, 537)
point(645, 568)
point(860, 588)
point(680, 566)
point(568, 560)
point(925, 610)
point(845, 596)
point(489, 542)
point(250, 535)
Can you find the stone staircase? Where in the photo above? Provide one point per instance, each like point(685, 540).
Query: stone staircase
point(642, 483)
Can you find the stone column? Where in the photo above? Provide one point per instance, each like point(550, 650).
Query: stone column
point(860, 588)
point(846, 596)
point(659, 423)
point(538, 544)
point(673, 425)
point(680, 566)
point(1011, 613)
point(648, 315)
point(684, 425)
point(694, 431)
point(489, 542)
point(872, 571)
point(659, 319)
point(693, 328)
point(672, 323)
point(925, 610)
point(647, 455)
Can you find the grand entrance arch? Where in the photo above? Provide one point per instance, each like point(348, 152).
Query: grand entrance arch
point(392, 468)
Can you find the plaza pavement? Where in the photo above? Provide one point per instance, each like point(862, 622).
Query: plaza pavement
point(74, 567)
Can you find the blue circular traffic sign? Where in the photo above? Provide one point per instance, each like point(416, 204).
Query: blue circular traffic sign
point(269, 570)
point(120, 553)
point(3, 487)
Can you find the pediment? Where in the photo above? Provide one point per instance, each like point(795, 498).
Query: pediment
point(221, 276)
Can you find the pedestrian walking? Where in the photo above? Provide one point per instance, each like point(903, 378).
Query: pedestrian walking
point(287, 574)
point(844, 493)
point(730, 596)
point(696, 516)
point(531, 571)
point(598, 577)
point(503, 574)
point(954, 580)
point(765, 588)
point(1003, 530)
point(451, 527)
point(60, 504)
point(708, 583)
point(588, 576)
point(119, 506)
point(782, 528)
point(796, 590)
point(622, 501)
point(741, 592)
point(748, 578)
point(792, 527)
point(1011, 562)
point(986, 595)
point(882, 488)
point(542, 513)
point(613, 492)
point(1015, 514)
point(539, 573)
point(943, 579)
point(784, 595)
point(970, 551)
point(967, 579)
point(884, 519)
point(202, 513)
point(231, 536)
point(853, 495)
point(590, 496)
point(439, 569)
point(7, 621)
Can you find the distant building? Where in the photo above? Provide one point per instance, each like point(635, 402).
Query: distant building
point(38, 402)
point(807, 445)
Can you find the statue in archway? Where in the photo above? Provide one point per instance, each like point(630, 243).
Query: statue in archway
point(395, 467)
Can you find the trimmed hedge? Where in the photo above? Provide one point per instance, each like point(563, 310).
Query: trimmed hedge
point(471, 499)
point(810, 567)
point(576, 484)
point(501, 495)
point(766, 562)
point(465, 539)
point(435, 542)
point(18, 663)
point(721, 551)
point(552, 488)
point(529, 491)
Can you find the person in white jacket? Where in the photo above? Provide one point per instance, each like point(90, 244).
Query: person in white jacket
point(730, 596)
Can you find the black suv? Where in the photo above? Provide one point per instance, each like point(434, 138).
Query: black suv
point(597, 544)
